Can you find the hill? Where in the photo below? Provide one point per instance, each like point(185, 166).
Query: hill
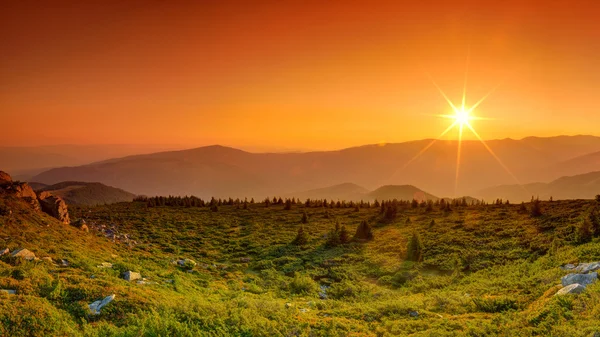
point(401, 192)
point(243, 276)
point(582, 186)
point(223, 172)
point(345, 191)
point(82, 193)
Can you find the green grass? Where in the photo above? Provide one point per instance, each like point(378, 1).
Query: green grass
point(486, 270)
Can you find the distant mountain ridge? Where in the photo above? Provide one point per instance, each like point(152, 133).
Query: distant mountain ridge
point(84, 193)
point(582, 186)
point(222, 172)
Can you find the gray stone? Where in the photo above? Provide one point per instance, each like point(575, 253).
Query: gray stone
point(413, 314)
point(96, 306)
point(574, 288)
point(585, 268)
point(583, 279)
point(569, 266)
point(131, 276)
point(24, 253)
point(4, 252)
point(8, 291)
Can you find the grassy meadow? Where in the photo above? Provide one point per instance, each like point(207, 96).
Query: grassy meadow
point(482, 270)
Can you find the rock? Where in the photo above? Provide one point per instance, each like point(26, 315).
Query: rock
point(105, 265)
point(323, 292)
point(24, 253)
point(288, 305)
point(304, 310)
point(4, 252)
point(5, 178)
point(64, 263)
point(413, 314)
point(186, 263)
point(47, 259)
point(23, 191)
point(582, 279)
point(569, 266)
point(132, 276)
point(245, 259)
point(81, 224)
point(574, 288)
point(54, 206)
point(585, 268)
point(8, 291)
point(96, 306)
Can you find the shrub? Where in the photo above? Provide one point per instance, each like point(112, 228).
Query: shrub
point(584, 232)
point(536, 208)
point(303, 285)
point(344, 235)
point(495, 304)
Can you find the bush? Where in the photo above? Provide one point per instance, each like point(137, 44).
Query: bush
point(495, 304)
point(303, 285)
point(536, 208)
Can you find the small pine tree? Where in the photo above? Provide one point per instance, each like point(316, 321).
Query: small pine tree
point(584, 232)
point(301, 238)
point(536, 208)
point(288, 205)
point(344, 235)
point(364, 232)
point(304, 218)
point(414, 251)
point(214, 208)
point(597, 197)
point(333, 238)
point(522, 208)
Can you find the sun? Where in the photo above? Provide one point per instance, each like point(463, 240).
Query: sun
point(462, 116)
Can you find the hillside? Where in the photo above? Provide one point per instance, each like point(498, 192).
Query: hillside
point(481, 265)
point(401, 192)
point(582, 186)
point(81, 193)
point(345, 191)
point(223, 172)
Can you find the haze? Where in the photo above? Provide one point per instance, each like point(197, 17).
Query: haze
point(292, 75)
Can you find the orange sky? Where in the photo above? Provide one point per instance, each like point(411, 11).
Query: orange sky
point(293, 74)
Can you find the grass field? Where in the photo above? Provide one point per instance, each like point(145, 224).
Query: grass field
point(485, 270)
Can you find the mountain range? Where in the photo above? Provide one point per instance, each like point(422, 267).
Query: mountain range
point(222, 171)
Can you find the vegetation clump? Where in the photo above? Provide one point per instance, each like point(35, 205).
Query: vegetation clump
point(364, 232)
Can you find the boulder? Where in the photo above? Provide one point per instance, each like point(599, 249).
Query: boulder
point(4, 252)
point(574, 288)
point(131, 276)
point(585, 268)
point(23, 253)
point(23, 191)
point(54, 206)
point(96, 306)
point(186, 263)
point(582, 279)
point(5, 178)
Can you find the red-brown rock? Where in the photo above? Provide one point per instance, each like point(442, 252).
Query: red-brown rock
point(55, 206)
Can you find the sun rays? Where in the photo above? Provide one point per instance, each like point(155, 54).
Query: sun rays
point(461, 118)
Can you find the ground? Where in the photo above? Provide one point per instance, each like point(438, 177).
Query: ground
point(486, 270)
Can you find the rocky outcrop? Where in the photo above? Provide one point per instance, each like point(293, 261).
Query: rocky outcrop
point(51, 204)
point(5, 178)
point(99, 304)
point(54, 206)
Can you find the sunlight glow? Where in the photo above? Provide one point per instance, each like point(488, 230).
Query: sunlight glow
point(462, 118)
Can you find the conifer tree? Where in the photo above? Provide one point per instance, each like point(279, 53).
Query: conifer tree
point(304, 218)
point(414, 251)
point(364, 232)
point(301, 238)
point(344, 235)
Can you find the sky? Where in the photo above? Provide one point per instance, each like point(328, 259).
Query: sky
point(293, 75)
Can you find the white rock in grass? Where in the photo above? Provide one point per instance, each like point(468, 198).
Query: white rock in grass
point(24, 253)
point(583, 279)
point(96, 306)
point(131, 276)
point(574, 288)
